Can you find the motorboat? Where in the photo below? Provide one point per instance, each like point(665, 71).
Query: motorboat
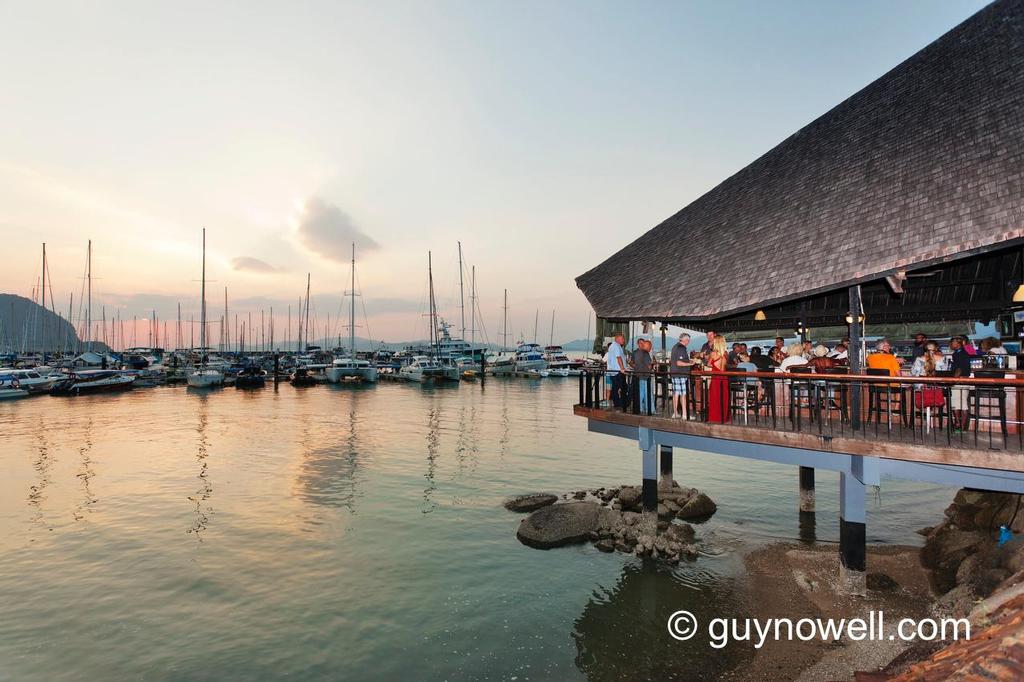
point(309, 375)
point(9, 393)
point(558, 371)
point(251, 377)
point(93, 381)
point(422, 368)
point(30, 380)
point(537, 373)
point(349, 368)
point(557, 360)
point(501, 365)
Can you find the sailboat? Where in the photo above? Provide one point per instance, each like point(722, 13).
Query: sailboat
point(349, 367)
point(204, 376)
point(503, 364)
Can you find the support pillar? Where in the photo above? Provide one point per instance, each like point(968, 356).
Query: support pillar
point(806, 489)
point(852, 536)
point(649, 492)
point(665, 480)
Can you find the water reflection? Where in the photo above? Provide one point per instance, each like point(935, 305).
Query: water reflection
point(622, 632)
point(433, 443)
point(85, 474)
point(200, 498)
point(329, 474)
point(41, 465)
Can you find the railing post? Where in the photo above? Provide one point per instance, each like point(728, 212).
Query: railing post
point(853, 355)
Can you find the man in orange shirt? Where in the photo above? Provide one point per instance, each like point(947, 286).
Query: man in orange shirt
point(884, 359)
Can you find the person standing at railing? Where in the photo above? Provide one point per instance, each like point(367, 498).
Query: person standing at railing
point(642, 372)
point(615, 367)
point(961, 366)
point(679, 370)
point(718, 389)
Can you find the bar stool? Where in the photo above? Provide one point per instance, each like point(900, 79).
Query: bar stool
point(891, 394)
point(988, 397)
point(800, 389)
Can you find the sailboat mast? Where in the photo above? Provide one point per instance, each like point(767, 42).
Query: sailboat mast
point(462, 297)
point(472, 309)
point(352, 309)
point(433, 325)
point(44, 304)
point(88, 308)
point(306, 332)
point(225, 336)
point(504, 327)
point(551, 341)
point(536, 320)
point(202, 305)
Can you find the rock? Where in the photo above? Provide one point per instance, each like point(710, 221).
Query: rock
point(560, 524)
point(579, 494)
point(670, 505)
point(630, 518)
point(663, 512)
point(958, 602)
point(609, 494)
point(605, 545)
point(629, 497)
point(530, 502)
point(881, 581)
point(697, 507)
point(1012, 555)
point(623, 547)
point(682, 532)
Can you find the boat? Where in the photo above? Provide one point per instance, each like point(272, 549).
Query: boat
point(556, 358)
point(204, 376)
point(304, 376)
point(557, 372)
point(537, 373)
point(421, 368)
point(93, 381)
point(352, 367)
point(529, 356)
point(9, 393)
point(251, 376)
point(29, 380)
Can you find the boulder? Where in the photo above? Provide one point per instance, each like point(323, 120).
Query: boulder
point(605, 545)
point(561, 524)
point(697, 507)
point(881, 581)
point(530, 502)
point(945, 550)
point(629, 497)
point(681, 532)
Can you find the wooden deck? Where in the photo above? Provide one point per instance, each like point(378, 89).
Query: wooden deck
point(893, 445)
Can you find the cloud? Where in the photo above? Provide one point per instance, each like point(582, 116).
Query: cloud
point(328, 231)
point(250, 264)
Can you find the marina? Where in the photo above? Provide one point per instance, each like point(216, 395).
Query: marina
point(354, 341)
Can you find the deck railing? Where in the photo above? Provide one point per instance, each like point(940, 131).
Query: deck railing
point(983, 411)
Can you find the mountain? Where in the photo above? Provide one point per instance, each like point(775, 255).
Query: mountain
point(27, 326)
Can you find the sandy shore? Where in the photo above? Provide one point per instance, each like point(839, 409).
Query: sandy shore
point(799, 581)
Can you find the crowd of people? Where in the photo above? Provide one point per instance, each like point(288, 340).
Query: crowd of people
point(715, 355)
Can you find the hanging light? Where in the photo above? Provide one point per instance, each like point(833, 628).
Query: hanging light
point(760, 316)
point(1018, 296)
point(849, 318)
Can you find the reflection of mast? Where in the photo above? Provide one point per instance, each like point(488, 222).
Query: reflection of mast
point(202, 495)
point(433, 440)
point(86, 474)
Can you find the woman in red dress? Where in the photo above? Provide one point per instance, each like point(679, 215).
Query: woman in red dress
point(718, 390)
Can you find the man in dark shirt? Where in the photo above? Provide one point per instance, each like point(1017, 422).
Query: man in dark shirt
point(961, 366)
point(705, 350)
point(760, 360)
point(920, 340)
point(679, 369)
point(642, 369)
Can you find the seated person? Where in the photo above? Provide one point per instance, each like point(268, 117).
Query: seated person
point(760, 360)
point(884, 359)
point(821, 362)
point(795, 357)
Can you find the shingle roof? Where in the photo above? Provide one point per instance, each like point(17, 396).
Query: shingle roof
point(924, 165)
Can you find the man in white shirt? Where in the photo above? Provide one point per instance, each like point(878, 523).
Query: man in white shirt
point(615, 366)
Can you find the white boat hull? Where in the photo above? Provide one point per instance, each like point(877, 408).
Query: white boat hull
point(336, 375)
point(205, 379)
point(12, 393)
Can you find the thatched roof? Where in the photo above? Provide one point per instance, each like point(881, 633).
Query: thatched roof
point(923, 166)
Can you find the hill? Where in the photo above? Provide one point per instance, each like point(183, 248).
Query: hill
point(27, 326)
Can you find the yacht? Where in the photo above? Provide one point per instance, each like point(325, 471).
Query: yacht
point(349, 368)
point(529, 356)
point(558, 361)
point(93, 381)
point(421, 368)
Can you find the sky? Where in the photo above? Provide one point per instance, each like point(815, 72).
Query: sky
point(543, 136)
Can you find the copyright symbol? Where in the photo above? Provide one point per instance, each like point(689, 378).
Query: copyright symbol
point(682, 625)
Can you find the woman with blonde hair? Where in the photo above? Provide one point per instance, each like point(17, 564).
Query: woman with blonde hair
point(795, 357)
point(718, 389)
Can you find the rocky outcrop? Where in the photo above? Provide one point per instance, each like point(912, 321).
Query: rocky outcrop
point(530, 502)
point(962, 552)
point(612, 519)
point(561, 524)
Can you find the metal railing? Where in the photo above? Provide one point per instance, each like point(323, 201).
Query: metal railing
point(980, 412)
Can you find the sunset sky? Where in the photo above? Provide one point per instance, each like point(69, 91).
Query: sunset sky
point(543, 135)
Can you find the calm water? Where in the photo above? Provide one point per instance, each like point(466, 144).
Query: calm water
point(355, 533)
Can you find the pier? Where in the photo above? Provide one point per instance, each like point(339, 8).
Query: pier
point(867, 221)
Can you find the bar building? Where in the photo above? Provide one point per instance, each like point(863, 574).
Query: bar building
point(904, 204)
